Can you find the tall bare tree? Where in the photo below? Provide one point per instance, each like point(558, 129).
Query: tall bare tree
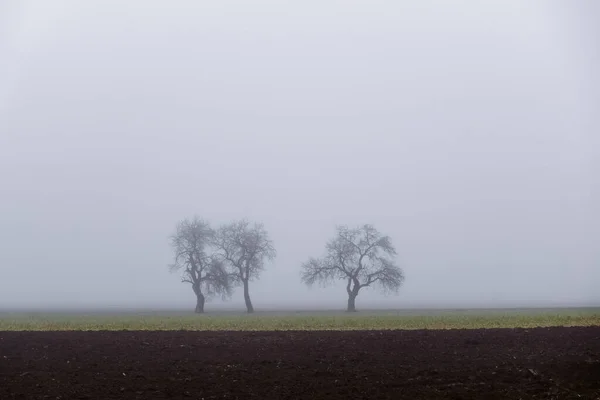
point(205, 273)
point(244, 248)
point(360, 256)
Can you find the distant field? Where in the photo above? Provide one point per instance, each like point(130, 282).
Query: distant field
point(301, 320)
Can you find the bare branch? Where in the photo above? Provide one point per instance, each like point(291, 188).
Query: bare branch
point(318, 271)
point(388, 276)
point(218, 281)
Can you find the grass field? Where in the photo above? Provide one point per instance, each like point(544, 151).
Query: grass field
point(306, 320)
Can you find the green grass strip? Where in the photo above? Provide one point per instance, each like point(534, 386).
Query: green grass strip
point(54, 322)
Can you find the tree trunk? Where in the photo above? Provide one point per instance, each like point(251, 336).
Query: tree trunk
point(352, 293)
point(352, 302)
point(249, 306)
point(200, 303)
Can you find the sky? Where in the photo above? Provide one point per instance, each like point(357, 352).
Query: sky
point(466, 131)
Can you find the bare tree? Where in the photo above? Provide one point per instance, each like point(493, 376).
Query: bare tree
point(360, 256)
point(244, 248)
point(204, 272)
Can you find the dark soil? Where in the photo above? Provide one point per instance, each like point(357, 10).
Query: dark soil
point(544, 363)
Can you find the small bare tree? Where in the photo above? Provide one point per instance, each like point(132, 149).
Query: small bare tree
point(244, 248)
point(360, 256)
point(204, 272)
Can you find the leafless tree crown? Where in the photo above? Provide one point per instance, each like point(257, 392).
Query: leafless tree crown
point(244, 247)
point(362, 256)
point(192, 238)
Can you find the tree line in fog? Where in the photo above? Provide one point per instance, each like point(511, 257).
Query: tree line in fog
point(214, 261)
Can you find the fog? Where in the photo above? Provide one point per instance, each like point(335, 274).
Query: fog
point(467, 131)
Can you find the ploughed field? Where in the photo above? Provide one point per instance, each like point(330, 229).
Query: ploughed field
point(497, 363)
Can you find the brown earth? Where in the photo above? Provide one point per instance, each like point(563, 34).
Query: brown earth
point(544, 363)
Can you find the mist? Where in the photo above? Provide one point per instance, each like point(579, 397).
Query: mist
point(467, 132)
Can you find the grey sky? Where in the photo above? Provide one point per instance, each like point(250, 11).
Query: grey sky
point(466, 130)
